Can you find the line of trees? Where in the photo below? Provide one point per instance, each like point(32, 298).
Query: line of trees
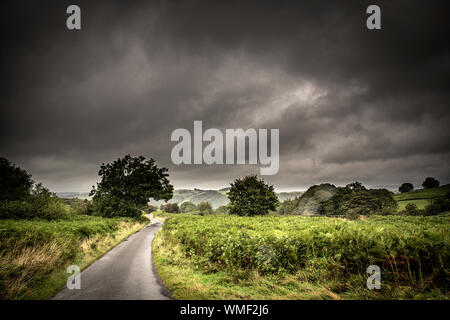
point(23, 198)
point(428, 183)
point(127, 184)
point(124, 190)
point(203, 208)
point(354, 200)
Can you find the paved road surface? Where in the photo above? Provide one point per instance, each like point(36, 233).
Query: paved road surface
point(125, 272)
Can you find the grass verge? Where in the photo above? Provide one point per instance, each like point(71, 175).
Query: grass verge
point(34, 254)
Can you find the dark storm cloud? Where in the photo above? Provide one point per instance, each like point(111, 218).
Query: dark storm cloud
point(350, 103)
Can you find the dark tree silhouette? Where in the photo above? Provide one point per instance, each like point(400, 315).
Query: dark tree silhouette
point(251, 196)
point(406, 187)
point(15, 183)
point(430, 183)
point(127, 184)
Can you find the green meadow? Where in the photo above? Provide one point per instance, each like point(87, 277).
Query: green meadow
point(421, 197)
point(294, 257)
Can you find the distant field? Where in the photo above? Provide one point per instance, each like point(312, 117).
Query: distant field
point(419, 203)
point(292, 257)
point(216, 198)
point(72, 195)
point(421, 197)
point(34, 254)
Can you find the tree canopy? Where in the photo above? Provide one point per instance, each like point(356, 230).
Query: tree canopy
point(187, 206)
point(170, 207)
point(251, 196)
point(205, 208)
point(15, 183)
point(430, 183)
point(406, 187)
point(130, 182)
point(358, 201)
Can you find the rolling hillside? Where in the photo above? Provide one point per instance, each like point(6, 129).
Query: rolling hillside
point(420, 197)
point(72, 195)
point(216, 198)
point(309, 202)
point(282, 196)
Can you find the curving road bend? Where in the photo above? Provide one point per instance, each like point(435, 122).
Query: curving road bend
point(124, 273)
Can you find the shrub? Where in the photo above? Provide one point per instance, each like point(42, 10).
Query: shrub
point(187, 206)
point(41, 203)
point(353, 214)
point(387, 212)
point(77, 206)
point(204, 208)
point(432, 209)
point(16, 210)
point(52, 209)
point(151, 208)
point(109, 206)
point(438, 205)
point(170, 207)
point(411, 209)
point(222, 210)
point(288, 206)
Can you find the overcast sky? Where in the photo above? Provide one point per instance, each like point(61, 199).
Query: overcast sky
point(350, 103)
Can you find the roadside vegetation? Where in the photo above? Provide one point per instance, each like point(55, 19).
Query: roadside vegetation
point(280, 257)
point(41, 234)
point(34, 254)
point(316, 246)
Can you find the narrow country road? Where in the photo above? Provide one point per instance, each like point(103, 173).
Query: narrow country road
point(126, 272)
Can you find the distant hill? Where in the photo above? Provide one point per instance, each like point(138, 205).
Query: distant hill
point(282, 196)
point(72, 195)
point(308, 203)
point(421, 197)
point(216, 198)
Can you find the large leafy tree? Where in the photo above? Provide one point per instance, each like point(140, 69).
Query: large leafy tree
point(356, 186)
point(430, 183)
point(251, 196)
point(406, 187)
point(362, 201)
point(15, 183)
point(130, 181)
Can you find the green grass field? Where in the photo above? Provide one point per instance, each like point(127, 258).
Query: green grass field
point(34, 254)
point(287, 257)
point(420, 203)
point(421, 197)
